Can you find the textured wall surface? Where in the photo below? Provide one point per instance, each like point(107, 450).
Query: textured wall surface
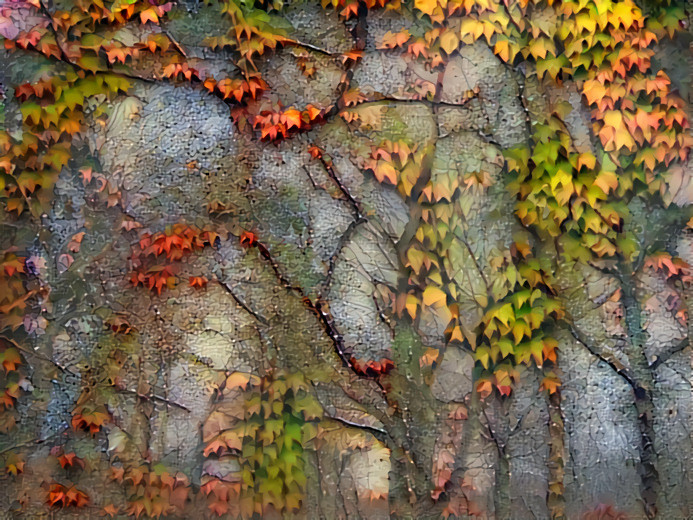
point(303, 310)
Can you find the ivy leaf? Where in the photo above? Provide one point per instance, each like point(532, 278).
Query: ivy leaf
point(426, 6)
point(90, 63)
point(449, 41)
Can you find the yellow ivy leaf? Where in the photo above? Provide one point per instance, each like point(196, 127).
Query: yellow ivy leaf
point(433, 296)
point(384, 170)
point(449, 41)
point(426, 6)
point(606, 181)
point(502, 50)
point(471, 30)
point(412, 304)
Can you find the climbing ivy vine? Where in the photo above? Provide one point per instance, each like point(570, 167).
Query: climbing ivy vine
point(572, 202)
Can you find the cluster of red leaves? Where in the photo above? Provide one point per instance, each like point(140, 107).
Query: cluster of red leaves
point(67, 460)
point(315, 152)
point(10, 377)
point(278, 125)
point(502, 379)
point(176, 242)
point(223, 495)
point(416, 47)
point(86, 55)
point(13, 293)
point(13, 303)
point(248, 239)
point(239, 89)
point(179, 69)
point(62, 496)
point(155, 278)
point(350, 8)
point(89, 418)
point(671, 267)
point(434, 46)
point(33, 34)
point(170, 247)
point(372, 368)
point(199, 282)
point(116, 13)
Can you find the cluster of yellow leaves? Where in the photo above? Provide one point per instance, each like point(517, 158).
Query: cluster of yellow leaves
point(401, 164)
point(264, 424)
point(85, 35)
point(510, 28)
point(514, 326)
point(398, 163)
point(511, 330)
point(434, 45)
point(440, 10)
point(577, 198)
point(52, 112)
point(639, 121)
point(641, 125)
point(253, 32)
point(569, 196)
point(602, 41)
point(111, 13)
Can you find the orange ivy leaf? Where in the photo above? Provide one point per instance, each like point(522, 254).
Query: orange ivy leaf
point(315, 152)
point(61, 496)
point(198, 281)
point(89, 420)
point(484, 388)
point(393, 40)
point(550, 383)
point(248, 239)
point(110, 510)
point(149, 15)
point(352, 56)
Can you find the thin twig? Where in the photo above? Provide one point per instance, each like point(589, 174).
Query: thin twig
point(607, 358)
point(242, 304)
point(153, 397)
